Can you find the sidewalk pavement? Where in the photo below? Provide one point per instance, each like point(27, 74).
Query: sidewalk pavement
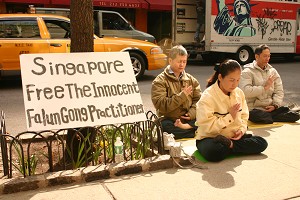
point(273, 175)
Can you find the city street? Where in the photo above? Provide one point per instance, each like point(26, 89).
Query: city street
point(11, 97)
point(80, 61)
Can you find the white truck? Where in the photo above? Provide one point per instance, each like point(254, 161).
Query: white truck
point(233, 28)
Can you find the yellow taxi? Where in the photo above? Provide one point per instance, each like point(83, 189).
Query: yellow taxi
point(42, 33)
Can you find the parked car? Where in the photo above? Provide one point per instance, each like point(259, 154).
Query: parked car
point(43, 33)
point(106, 23)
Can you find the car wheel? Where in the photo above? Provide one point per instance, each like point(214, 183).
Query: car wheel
point(138, 64)
point(244, 55)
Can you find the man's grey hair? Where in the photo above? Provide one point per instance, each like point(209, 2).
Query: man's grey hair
point(177, 50)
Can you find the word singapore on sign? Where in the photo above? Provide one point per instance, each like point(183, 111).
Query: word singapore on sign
point(79, 89)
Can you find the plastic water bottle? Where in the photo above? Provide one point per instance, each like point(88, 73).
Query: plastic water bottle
point(119, 150)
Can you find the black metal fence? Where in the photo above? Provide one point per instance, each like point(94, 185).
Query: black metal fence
point(30, 153)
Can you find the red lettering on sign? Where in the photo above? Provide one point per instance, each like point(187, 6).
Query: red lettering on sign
point(120, 5)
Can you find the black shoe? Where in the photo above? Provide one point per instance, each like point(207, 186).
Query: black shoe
point(223, 140)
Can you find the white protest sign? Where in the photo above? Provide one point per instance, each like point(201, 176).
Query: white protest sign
point(68, 90)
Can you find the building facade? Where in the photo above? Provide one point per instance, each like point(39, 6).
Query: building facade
point(152, 16)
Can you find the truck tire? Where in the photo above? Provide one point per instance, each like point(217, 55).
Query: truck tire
point(244, 55)
point(138, 64)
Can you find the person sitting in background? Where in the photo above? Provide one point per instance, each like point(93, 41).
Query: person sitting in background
point(174, 95)
point(222, 116)
point(263, 89)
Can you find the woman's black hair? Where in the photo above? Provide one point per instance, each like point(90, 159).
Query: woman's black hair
point(224, 69)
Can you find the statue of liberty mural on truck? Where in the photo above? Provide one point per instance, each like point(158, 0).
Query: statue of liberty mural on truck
point(240, 24)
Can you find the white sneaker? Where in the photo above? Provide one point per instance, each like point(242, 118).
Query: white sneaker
point(168, 140)
point(293, 107)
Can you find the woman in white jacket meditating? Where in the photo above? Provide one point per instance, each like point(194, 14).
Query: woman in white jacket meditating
point(222, 116)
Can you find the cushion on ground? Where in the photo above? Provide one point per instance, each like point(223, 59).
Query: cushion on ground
point(252, 125)
point(200, 157)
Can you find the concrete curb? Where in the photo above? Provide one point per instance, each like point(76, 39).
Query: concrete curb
point(88, 174)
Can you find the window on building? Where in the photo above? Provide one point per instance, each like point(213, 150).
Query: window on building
point(298, 27)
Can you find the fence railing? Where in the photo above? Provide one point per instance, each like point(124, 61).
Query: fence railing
point(30, 153)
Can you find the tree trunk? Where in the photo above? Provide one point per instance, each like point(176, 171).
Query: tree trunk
point(82, 23)
point(82, 40)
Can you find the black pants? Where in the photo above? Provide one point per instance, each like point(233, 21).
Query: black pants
point(282, 114)
point(169, 127)
point(215, 151)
